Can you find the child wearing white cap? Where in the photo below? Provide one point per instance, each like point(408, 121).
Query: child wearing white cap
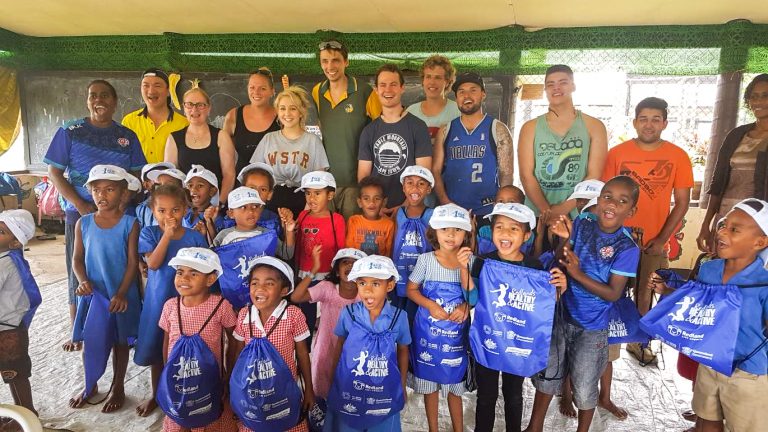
point(333, 294)
point(260, 177)
point(511, 226)
point(197, 311)
point(739, 399)
point(317, 226)
point(439, 284)
point(245, 208)
point(20, 297)
point(284, 325)
point(203, 187)
point(369, 329)
point(157, 176)
point(105, 263)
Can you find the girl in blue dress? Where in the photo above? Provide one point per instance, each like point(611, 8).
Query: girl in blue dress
point(105, 263)
point(158, 244)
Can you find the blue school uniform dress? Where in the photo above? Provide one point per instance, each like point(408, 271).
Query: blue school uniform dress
point(754, 311)
point(144, 214)
point(160, 287)
point(362, 318)
point(106, 260)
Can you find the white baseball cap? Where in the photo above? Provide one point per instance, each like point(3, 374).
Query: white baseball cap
point(757, 209)
point(278, 264)
point(253, 166)
point(242, 196)
point(317, 180)
point(21, 224)
point(450, 216)
point(203, 173)
point(173, 172)
point(107, 172)
point(200, 259)
point(146, 169)
point(587, 189)
point(418, 171)
point(375, 266)
point(518, 212)
point(353, 253)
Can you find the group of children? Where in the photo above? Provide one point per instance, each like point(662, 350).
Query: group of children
point(381, 283)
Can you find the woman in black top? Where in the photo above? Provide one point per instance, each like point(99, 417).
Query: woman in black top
point(247, 124)
point(202, 144)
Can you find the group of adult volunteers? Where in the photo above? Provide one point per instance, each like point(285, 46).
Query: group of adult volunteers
point(401, 219)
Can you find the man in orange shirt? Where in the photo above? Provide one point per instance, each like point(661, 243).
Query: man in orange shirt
point(662, 170)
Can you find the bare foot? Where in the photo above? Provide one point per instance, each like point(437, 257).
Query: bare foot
point(80, 399)
point(618, 412)
point(70, 346)
point(566, 407)
point(115, 401)
point(146, 407)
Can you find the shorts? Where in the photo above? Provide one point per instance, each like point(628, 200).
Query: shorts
point(423, 386)
point(14, 354)
point(614, 352)
point(580, 353)
point(740, 399)
point(345, 201)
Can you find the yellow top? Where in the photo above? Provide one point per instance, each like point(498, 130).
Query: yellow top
point(372, 103)
point(153, 138)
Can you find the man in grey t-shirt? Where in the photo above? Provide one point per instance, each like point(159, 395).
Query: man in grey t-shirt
point(393, 141)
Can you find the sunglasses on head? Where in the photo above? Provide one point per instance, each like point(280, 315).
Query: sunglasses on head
point(330, 44)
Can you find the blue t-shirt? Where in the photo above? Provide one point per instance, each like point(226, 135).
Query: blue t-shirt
point(601, 254)
point(268, 220)
point(144, 214)
point(78, 146)
point(382, 323)
point(754, 311)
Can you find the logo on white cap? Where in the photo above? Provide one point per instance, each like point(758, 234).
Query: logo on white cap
point(353, 253)
point(375, 266)
point(419, 171)
point(450, 216)
point(107, 172)
point(200, 259)
point(587, 189)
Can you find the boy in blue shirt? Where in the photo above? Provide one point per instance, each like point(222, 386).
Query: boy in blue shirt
point(740, 399)
point(599, 260)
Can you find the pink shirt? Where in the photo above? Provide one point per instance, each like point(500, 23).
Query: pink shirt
point(332, 304)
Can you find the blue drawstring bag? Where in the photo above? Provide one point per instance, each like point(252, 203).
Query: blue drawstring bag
point(411, 241)
point(189, 391)
point(699, 320)
point(262, 391)
point(236, 259)
point(485, 246)
point(624, 323)
point(367, 386)
point(512, 326)
point(316, 415)
point(28, 283)
point(439, 350)
point(99, 334)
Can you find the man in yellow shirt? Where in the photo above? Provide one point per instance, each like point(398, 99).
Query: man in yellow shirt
point(153, 123)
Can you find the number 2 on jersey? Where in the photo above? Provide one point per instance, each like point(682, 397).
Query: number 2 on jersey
point(477, 171)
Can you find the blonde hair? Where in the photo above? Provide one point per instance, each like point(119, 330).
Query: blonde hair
point(438, 60)
point(299, 97)
point(197, 89)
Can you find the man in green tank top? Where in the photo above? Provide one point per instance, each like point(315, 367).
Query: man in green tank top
point(560, 148)
point(344, 106)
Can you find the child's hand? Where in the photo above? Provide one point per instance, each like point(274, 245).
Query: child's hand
point(561, 226)
point(170, 226)
point(84, 288)
point(118, 304)
point(656, 283)
point(211, 213)
point(559, 281)
point(570, 261)
point(317, 252)
point(309, 399)
point(463, 256)
point(437, 312)
point(544, 219)
point(286, 218)
point(200, 227)
point(459, 314)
